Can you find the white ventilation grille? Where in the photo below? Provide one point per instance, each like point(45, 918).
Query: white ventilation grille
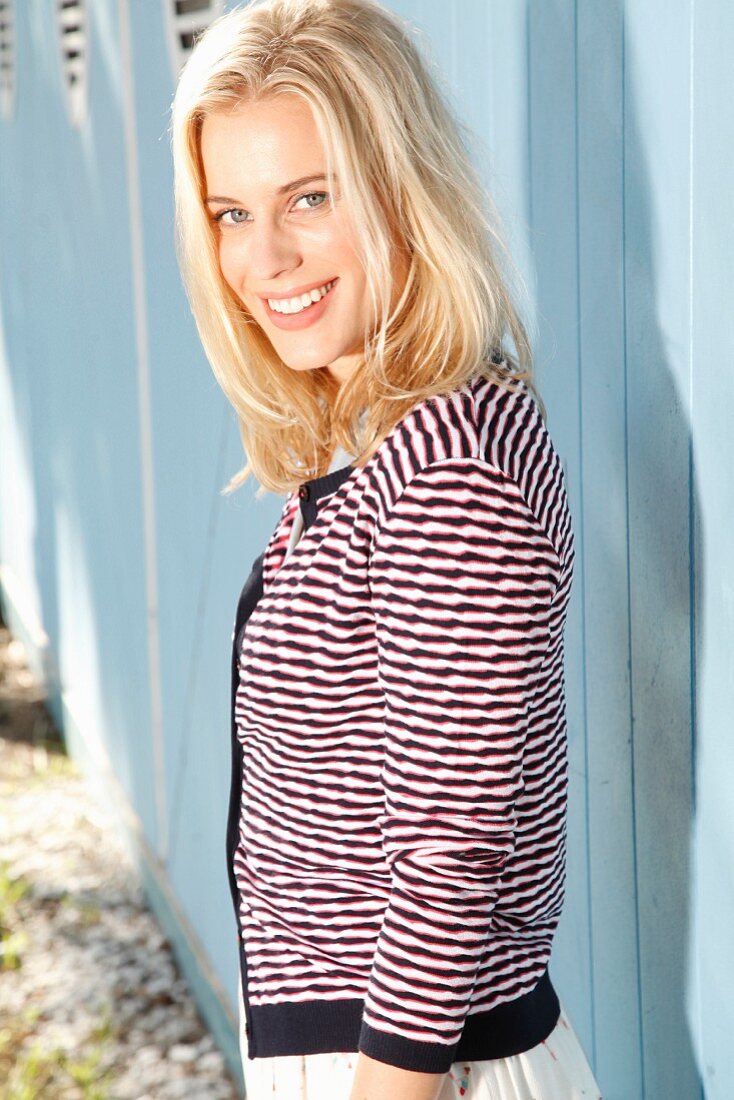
point(71, 23)
point(186, 19)
point(7, 58)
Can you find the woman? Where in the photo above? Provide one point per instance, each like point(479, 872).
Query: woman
point(396, 835)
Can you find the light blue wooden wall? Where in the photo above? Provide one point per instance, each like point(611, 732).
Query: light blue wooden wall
point(603, 130)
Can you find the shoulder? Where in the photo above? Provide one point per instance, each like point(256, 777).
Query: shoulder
point(482, 430)
point(482, 420)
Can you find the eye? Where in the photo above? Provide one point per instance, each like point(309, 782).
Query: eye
point(240, 217)
point(314, 195)
point(219, 218)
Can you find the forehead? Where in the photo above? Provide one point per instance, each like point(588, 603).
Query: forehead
point(262, 144)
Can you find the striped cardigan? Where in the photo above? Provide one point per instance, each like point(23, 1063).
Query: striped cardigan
point(397, 818)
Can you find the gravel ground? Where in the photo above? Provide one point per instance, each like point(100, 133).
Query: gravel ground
point(91, 1003)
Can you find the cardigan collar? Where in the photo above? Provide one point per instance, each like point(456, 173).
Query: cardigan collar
point(310, 492)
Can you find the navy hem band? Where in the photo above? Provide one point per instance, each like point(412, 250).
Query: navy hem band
point(326, 1027)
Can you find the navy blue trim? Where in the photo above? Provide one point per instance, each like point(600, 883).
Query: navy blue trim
point(328, 1026)
point(250, 595)
point(311, 491)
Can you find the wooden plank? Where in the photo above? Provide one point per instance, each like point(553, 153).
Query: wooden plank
point(612, 880)
point(554, 243)
point(656, 271)
point(710, 1007)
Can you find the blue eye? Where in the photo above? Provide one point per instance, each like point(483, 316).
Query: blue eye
point(222, 213)
point(240, 217)
point(312, 195)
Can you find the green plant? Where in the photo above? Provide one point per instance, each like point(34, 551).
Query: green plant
point(12, 943)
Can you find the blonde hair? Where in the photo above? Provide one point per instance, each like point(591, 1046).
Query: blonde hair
point(407, 181)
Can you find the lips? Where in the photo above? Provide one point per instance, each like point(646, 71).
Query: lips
point(296, 292)
point(305, 317)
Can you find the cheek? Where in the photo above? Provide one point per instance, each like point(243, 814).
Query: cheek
point(335, 237)
point(230, 264)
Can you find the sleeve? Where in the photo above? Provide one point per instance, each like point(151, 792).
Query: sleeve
point(462, 577)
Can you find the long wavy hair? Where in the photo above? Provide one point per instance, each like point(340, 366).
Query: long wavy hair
point(405, 173)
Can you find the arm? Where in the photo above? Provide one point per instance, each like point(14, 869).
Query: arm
point(375, 1080)
point(462, 578)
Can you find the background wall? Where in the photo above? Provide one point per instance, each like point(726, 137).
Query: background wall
point(604, 132)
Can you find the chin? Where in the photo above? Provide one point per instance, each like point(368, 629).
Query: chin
point(310, 360)
point(305, 365)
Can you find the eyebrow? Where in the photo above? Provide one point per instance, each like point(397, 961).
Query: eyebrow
point(281, 190)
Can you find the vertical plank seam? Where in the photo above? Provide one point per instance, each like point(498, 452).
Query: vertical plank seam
point(144, 425)
point(692, 544)
point(197, 642)
point(582, 556)
point(633, 789)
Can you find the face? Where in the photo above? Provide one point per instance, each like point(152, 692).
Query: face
point(281, 240)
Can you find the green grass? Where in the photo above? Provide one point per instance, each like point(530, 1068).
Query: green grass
point(30, 1070)
point(12, 943)
point(89, 912)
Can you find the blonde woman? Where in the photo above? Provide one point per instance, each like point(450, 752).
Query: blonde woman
point(396, 831)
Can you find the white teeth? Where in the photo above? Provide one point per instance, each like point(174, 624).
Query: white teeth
point(295, 305)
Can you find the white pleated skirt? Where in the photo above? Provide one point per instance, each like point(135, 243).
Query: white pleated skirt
point(555, 1069)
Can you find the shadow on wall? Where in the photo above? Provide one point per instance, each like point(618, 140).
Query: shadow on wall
point(662, 500)
point(642, 322)
point(600, 202)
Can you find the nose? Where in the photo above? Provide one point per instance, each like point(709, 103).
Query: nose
point(272, 248)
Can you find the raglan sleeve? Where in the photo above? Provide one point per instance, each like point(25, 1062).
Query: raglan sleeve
point(462, 576)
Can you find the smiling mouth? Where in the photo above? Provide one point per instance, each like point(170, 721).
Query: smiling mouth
point(288, 307)
point(304, 317)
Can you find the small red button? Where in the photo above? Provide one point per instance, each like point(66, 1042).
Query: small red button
point(303, 492)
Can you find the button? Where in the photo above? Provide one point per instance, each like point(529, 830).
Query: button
point(303, 492)
point(247, 1029)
